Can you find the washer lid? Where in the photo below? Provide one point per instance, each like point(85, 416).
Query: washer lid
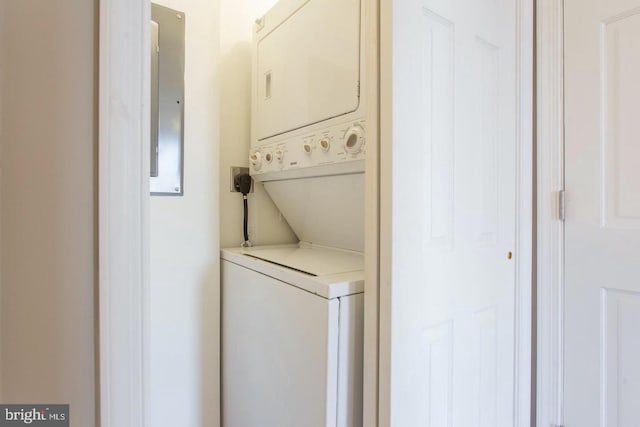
point(315, 261)
point(329, 273)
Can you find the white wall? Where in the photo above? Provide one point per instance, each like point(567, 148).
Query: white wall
point(185, 231)
point(184, 305)
point(266, 226)
point(48, 204)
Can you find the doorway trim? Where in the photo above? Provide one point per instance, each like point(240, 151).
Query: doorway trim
point(123, 210)
point(525, 190)
point(373, 247)
point(550, 229)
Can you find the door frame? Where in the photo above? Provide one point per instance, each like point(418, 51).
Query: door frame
point(124, 81)
point(371, 360)
point(550, 228)
point(379, 120)
point(123, 210)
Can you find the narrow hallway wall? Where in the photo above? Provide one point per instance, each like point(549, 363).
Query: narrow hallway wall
point(48, 204)
point(265, 224)
point(187, 232)
point(184, 234)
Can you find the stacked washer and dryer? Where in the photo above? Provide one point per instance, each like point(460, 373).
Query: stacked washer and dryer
point(292, 315)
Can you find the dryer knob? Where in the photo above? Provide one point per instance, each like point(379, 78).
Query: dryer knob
point(307, 148)
point(354, 140)
point(256, 160)
point(325, 144)
point(279, 155)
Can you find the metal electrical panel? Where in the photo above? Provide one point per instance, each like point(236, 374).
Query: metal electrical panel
point(167, 101)
point(155, 50)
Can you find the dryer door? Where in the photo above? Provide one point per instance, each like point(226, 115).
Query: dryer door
point(307, 64)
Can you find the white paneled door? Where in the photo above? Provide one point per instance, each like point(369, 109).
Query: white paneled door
point(449, 135)
point(602, 248)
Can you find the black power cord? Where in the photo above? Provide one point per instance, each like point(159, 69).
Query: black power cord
point(242, 184)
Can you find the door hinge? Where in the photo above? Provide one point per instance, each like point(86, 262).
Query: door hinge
point(562, 209)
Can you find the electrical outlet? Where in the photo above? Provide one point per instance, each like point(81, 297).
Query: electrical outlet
point(235, 171)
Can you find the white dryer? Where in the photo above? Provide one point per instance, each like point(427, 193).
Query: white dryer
point(292, 333)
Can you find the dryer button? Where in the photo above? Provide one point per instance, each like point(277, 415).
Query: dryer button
point(279, 155)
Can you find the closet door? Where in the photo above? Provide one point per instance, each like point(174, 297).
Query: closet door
point(602, 228)
point(449, 138)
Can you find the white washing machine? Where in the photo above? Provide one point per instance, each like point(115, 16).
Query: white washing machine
point(292, 334)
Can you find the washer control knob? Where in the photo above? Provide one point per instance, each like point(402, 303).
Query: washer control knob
point(256, 160)
point(307, 148)
point(354, 140)
point(268, 157)
point(279, 155)
point(325, 144)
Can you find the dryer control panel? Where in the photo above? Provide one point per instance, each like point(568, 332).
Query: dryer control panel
point(337, 144)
